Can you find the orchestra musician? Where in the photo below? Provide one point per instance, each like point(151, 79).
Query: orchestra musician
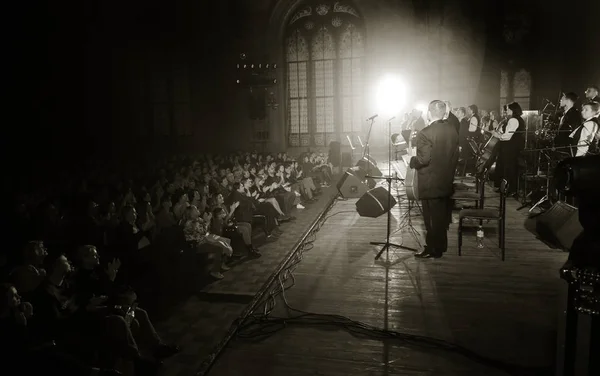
point(435, 162)
point(493, 125)
point(584, 135)
point(413, 123)
point(467, 154)
point(474, 123)
point(451, 118)
point(512, 142)
point(592, 94)
point(570, 119)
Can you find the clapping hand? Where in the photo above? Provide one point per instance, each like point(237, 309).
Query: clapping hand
point(235, 205)
point(27, 309)
point(113, 268)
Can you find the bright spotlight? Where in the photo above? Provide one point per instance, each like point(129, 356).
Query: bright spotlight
point(391, 96)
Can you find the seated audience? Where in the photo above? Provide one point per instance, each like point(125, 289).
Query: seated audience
point(32, 354)
point(197, 234)
point(224, 216)
point(134, 215)
point(30, 273)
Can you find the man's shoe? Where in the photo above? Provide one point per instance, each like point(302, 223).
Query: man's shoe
point(254, 253)
point(426, 254)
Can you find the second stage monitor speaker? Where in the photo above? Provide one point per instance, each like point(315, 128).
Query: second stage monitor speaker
point(369, 166)
point(559, 225)
point(375, 203)
point(350, 186)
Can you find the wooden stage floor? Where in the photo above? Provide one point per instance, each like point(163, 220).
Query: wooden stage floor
point(502, 310)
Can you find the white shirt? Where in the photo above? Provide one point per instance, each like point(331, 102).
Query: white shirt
point(511, 128)
point(588, 132)
point(473, 124)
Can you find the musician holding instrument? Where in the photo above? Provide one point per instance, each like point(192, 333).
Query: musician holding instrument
point(413, 123)
point(474, 123)
point(493, 124)
point(570, 119)
point(466, 152)
point(511, 135)
point(584, 135)
point(435, 162)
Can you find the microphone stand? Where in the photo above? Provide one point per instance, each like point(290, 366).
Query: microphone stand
point(387, 244)
point(547, 195)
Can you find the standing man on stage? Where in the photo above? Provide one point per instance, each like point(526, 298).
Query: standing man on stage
point(435, 162)
point(570, 120)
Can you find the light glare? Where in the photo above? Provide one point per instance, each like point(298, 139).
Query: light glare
point(422, 107)
point(391, 96)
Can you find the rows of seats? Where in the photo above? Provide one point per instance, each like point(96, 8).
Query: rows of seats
point(85, 256)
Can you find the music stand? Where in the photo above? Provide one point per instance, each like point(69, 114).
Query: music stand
point(387, 244)
point(407, 221)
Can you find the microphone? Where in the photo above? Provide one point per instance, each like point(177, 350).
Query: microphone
point(548, 102)
point(372, 117)
point(392, 118)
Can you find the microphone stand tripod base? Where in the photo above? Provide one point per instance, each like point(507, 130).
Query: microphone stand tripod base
point(387, 245)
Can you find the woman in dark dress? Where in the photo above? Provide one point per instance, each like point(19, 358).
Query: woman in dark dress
point(512, 142)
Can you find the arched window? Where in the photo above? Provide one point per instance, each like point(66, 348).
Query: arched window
point(324, 51)
point(515, 87)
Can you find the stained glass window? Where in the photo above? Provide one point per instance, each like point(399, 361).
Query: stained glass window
point(324, 49)
point(522, 88)
point(519, 89)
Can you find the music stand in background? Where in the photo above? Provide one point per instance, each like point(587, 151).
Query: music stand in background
point(352, 148)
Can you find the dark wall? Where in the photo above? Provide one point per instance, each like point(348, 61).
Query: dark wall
point(79, 81)
point(567, 57)
point(81, 73)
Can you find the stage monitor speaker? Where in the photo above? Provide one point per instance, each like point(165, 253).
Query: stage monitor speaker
point(559, 225)
point(369, 166)
point(335, 153)
point(375, 203)
point(362, 176)
point(350, 186)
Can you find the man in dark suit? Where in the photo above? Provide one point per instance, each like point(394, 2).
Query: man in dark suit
point(570, 120)
point(435, 162)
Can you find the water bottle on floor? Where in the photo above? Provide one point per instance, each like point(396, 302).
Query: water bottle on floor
point(480, 236)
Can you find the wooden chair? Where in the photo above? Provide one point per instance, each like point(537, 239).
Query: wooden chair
point(478, 197)
point(487, 214)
